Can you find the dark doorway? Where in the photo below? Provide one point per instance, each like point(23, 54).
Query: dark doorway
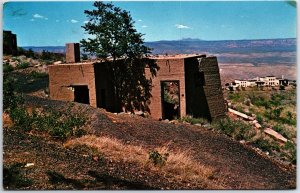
point(81, 94)
point(170, 99)
point(102, 102)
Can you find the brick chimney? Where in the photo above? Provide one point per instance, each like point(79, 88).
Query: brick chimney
point(72, 52)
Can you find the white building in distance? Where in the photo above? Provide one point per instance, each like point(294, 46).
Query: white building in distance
point(269, 81)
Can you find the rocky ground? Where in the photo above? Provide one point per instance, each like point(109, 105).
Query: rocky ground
point(52, 166)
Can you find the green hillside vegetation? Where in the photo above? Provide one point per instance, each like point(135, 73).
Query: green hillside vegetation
point(272, 109)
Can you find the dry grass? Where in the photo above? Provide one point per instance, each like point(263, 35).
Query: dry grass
point(180, 166)
point(7, 122)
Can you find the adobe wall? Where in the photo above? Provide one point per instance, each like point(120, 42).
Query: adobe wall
point(105, 88)
point(72, 52)
point(170, 70)
point(61, 77)
point(213, 88)
point(196, 100)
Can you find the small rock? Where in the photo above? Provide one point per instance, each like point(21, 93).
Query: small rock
point(95, 158)
point(166, 120)
point(139, 113)
point(174, 121)
point(242, 141)
point(206, 125)
point(29, 164)
point(57, 62)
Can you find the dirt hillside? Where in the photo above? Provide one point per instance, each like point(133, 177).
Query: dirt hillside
point(233, 165)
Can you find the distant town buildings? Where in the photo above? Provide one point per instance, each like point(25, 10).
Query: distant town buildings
point(9, 43)
point(267, 81)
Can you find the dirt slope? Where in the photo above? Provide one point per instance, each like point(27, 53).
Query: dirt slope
point(235, 166)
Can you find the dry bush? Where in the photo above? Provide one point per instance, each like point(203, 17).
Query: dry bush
point(182, 167)
point(179, 166)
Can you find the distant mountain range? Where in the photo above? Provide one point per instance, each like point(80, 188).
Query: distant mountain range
point(268, 51)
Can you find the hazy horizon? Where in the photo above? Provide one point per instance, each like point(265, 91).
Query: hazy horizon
point(54, 23)
point(191, 39)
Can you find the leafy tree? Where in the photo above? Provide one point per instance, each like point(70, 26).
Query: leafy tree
point(115, 40)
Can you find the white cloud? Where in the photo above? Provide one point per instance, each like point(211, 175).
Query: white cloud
point(73, 21)
point(180, 26)
point(85, 21)
point(38, 16)
point(144, 26)
point(140, 20)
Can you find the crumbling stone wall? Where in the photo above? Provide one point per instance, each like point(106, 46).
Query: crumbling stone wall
point(63, 77)
point(9, 43)
point(72, 53)
point(213, 88)
point(197, 98)
point(169, 70)
point(200, 93)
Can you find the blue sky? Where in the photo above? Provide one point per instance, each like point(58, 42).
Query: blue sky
point(55, 23)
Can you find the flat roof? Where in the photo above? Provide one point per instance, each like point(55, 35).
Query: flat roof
point(156, 57)
point(75, 64)
point(176, 56)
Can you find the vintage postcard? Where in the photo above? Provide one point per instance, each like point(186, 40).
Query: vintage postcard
point(149, 95)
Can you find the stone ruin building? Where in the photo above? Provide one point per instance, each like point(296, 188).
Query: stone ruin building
point(9, 43)
point(194, 81)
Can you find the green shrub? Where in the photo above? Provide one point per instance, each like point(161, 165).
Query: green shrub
point(265, 145)
point(22, 65)
point(241, 109)
point(239, 130)
point(158, 159)
point(10, 98)
point(192, 120)
point(234, 96)
point(291, 147)
point(36, 75)
point(14, 177)
point(57, 124)
point(7, 67)
point(279, 128)
point(288, 119)
point(281, 87)
point(259, 119)
point(21, 118)
point(62, 125)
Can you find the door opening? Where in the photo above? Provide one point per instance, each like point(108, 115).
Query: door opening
point(81, 94)
point(170, 99)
